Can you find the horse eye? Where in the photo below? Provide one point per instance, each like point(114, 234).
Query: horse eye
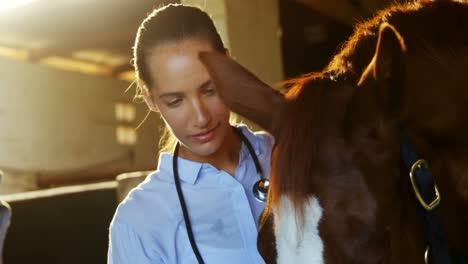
point(373, 134)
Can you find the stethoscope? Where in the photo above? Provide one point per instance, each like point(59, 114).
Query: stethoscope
point(260, 188)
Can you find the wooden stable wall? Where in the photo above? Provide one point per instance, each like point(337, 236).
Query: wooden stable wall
point(59, 128)
point(61, 226)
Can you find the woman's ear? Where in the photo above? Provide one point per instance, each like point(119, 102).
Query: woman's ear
point(145, 92)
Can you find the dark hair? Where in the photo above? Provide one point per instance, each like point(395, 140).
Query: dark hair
point(171, 23)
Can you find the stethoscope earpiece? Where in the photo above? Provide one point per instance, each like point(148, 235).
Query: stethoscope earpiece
point(260, 189)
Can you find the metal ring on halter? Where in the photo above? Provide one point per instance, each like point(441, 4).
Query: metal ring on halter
point(426, 255)
point(429, 207)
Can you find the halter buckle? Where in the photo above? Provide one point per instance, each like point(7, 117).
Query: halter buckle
point(429, 207)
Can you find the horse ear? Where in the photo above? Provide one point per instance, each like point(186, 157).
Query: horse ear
point(241, 90)
point(387, 66)
point(389, 52)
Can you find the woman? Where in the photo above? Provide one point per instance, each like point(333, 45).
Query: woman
point(213, 161)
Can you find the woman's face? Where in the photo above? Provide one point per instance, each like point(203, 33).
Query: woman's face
point(184, 95)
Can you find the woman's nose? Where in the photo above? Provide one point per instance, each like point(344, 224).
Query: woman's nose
point(202, 115)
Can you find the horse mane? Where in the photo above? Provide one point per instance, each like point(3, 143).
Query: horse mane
point(410, 18)
point(425, 25)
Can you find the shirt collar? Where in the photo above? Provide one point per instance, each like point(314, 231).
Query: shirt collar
point(190, 170)
point(254, 141)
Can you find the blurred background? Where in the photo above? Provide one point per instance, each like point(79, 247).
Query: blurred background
point(67, 129)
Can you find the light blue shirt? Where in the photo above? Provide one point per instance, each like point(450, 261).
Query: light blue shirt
point(148, 226)
point(5, 215)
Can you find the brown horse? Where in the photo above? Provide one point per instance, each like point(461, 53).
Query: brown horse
point(339, 190)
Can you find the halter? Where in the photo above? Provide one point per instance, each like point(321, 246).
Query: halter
point(428, 197)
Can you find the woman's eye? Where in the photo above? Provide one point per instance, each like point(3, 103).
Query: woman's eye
point(174, 103)
point(210, 91)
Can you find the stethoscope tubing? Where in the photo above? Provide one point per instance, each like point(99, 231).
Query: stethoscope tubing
point(259, 194)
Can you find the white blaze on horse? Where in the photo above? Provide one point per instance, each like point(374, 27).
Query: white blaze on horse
point(340, 190)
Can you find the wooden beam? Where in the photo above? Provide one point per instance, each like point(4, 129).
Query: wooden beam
point(118, 70)
point(339, 10)
point(14, 53)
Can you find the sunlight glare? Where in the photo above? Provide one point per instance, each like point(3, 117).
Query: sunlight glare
point(8, 4)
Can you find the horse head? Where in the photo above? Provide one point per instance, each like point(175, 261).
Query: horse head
point(339, 191)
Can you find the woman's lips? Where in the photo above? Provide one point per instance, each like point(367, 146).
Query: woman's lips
point(205, 136)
